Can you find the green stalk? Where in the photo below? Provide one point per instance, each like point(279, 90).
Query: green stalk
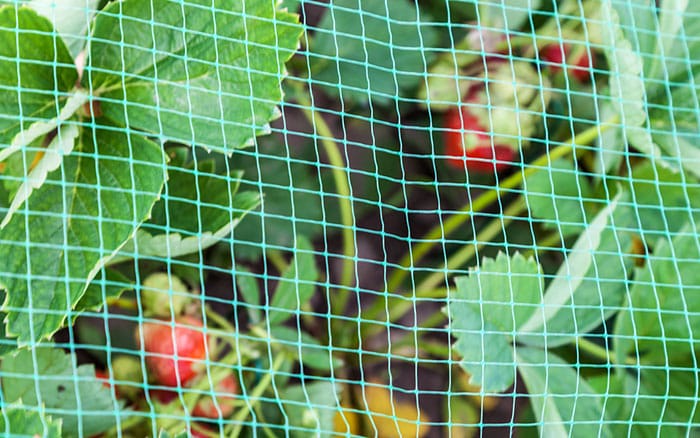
point(342, 186)
point(255, 394)
point(481, 202)
point(594, 350)
point(461, 257)
point(426, 289)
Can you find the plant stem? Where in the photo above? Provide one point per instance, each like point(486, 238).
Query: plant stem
point(547, 244)
point(481, 202)
point(219, 320)
point(594, 350)
point(427, 287)
point(255, 394)
point(461, 257)
point(602, 353)
point(275, 257)
point(342, 185)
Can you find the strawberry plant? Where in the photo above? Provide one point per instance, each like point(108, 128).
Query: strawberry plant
point(448, 219)
point(101, 108)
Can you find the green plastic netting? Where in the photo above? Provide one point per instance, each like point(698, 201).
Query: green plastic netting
point(349, 218)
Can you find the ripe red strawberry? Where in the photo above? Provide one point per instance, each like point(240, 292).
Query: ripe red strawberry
point(226, 391)
point(556, 54)
point(467, 141)
point(103, 377)
point(162, 396)
point(162, 343)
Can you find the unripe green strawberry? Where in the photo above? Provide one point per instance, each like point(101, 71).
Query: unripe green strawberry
point(164, 295)
point(127, 369)
point(163, 343)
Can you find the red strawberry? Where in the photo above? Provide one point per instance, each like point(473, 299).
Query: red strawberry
point(104, 377)
point(163, 396)
point(466, 141)
point(162, 343)
point(227, 389)
point(555, 55)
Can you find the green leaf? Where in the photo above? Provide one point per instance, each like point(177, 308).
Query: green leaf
point(297, 285)
point(658, 402)
point(20, 422)
point(294, 203)
point(199, 201)
point(372, 50)
point(290, 5)
point(108, 285)
point(652, 59)
point(164, 434)
point(662, 316)
point(71, 18)
point(564, 292)
point(664, 402)
point(248, 288)
point(36, 71)
point(508, 14)
point(46, 376)
point(662, 201)
point(488, 307)
point(611, 143)
point(203, 72)
point(660, 33)
point(72, 225)
point(557, 195)
point(626, 83)
point(564, 403)
point(615, 402)
point(304, 348)
point(310, 407)
point(51, 159)
point(198, 209)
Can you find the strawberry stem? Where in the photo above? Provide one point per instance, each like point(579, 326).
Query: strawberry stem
point(484, 200)
point(254, 396)
point(426, 289)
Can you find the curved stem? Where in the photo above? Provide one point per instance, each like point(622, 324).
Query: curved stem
point(481, 202)
point(594, 350)
point(426, 289)
point(342, 186)
point(255, 394)
point(459, 258)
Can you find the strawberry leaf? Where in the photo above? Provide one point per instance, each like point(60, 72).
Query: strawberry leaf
point(490, 305)
point(248, 288)
point(557, 195)
point(662, 314)
point(109, 284)
point(297, 285)
point(201, 72)
point(304, 348)
point(16, 421)
point(47, 377)
point(198, 209)
point(36, 72)
point(70, 226)
point(652, 65)
point(372, 50)
point(574, 303)
point(50, 160)
point(71, 18)
point(563, 402)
